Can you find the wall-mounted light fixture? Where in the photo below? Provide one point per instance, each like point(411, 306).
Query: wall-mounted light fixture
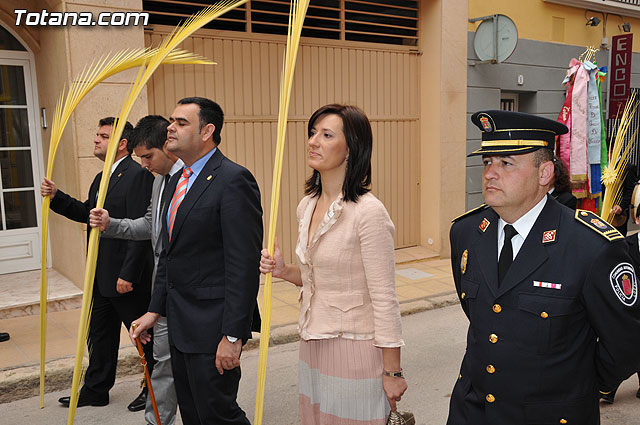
point(626, 27)
point(593, 21)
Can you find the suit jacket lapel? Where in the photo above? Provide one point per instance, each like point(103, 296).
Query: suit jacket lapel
point(118, 172)
point(533, 252)
point(206, 176)
point(634, 250)
point(485, 248)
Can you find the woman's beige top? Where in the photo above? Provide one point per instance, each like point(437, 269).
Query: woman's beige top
point(348, 273)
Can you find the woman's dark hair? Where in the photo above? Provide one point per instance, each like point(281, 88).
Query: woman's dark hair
point(357, 132)
point(561, 177)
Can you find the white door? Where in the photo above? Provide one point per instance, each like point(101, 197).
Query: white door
point(20, 163)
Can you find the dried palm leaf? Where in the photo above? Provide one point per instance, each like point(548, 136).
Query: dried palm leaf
point(297, 14)
point(177, 36)
point(613, 174)
point(91, 76)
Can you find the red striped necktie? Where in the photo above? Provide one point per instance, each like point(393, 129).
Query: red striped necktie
point(178, 197)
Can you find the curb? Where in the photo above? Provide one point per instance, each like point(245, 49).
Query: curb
point(24, 381)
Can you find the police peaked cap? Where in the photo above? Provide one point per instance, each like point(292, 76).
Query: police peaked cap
point(512, 133)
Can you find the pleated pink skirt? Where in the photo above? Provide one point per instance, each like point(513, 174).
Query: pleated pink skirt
point(340, 383)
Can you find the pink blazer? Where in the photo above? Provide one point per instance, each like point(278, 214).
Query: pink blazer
point(348, 273)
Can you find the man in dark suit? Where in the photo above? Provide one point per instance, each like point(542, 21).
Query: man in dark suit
point(551, 294)
point(608, 396)
point(208, 276)
point(149, 144)
point(122, 281)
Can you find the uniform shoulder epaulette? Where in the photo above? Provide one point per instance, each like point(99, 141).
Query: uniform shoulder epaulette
point(470, 212)
point(597, 224)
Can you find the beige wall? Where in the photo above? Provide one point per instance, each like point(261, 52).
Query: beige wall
point(380, 79)
point(443, 101)
point(416, 100)
point(60, 54)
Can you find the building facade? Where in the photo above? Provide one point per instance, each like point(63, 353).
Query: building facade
point(550, 33)
point(403, 62)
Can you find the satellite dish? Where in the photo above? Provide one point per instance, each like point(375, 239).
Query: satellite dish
point(495, 39)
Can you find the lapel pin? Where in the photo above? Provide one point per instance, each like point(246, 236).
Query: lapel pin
point(209, 177)
point(463, 261)
point(485, 223)
point(549, 236)
point(119, 174)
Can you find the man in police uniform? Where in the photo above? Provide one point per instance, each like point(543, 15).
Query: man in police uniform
point(550, 293)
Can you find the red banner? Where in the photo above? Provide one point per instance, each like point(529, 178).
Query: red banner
point(619, 74)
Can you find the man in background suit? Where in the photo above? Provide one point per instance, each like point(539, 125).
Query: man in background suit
point(122, 283)
point(208, 277)
point(149, 144)
point(633, 242)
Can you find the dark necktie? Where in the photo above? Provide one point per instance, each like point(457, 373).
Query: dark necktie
point(164, 191)
point(162, 203)
point(506, 255)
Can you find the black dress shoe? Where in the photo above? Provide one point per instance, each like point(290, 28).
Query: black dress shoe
point(4, 336)
point(608, 397)
point(140, 402)
point(85, 401)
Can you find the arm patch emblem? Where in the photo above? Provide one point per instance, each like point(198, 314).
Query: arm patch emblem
point(624, 283)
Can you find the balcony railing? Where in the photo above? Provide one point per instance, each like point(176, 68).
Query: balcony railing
point(630, 8)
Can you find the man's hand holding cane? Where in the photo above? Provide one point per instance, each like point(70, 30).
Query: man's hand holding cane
point(147, 321)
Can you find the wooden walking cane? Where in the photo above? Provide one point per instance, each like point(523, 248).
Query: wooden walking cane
point(147, 377)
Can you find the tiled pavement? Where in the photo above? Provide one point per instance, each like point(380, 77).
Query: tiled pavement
point(420, 275)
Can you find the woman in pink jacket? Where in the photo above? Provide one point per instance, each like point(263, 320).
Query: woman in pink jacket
point(349, 323)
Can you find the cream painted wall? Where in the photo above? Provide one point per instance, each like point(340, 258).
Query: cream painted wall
point(61, 54)
point(443, 93)
point(535, 20)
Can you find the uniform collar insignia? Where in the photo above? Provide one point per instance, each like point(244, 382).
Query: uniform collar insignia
point(549, 236)
point(485, 223)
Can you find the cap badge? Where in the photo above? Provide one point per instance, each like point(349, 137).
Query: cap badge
point(485, 223)
point(549, 236)
point(463, 261)
point(599, 224)
point(486, 124)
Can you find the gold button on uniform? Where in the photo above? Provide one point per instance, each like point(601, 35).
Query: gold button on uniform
point(493, 338)
point(460, 376)
point(563, 421)
point(464, 294)
point(490, 398)
point(544, 314)
point(497, 308)
point(491, 368)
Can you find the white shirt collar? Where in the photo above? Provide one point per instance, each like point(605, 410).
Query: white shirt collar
point(115, 164)
point(524, 224)
point(177, 166)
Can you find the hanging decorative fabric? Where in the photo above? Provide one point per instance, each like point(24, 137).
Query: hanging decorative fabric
point(594, 128)
point(583, 149)
point(604, 156)
point(578, 171)
point(563, 150)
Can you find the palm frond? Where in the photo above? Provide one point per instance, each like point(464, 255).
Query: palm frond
point(613, 174)
point(177, 36)
point(297, 14)
point(98, 71)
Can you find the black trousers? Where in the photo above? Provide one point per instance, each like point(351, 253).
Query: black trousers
point(104, 339)
point(205, 397)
